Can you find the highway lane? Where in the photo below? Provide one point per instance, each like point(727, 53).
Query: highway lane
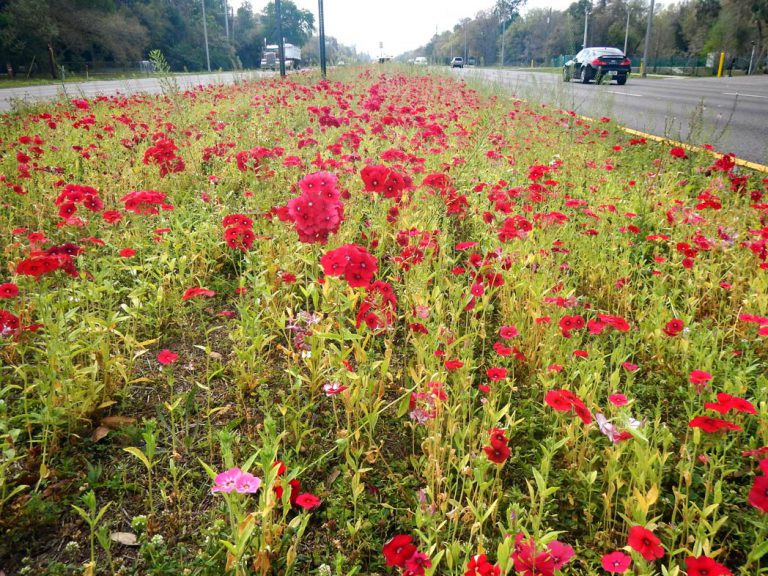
point(729, 113)
point(150, 85)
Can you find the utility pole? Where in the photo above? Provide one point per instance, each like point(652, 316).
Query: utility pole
point(586, 25)
point(205, 37)
point(626, 33)
point(751, 59)
point(465, 43)
point(280, 39)
point(321, 29)
point(503, 31)
point(226, 20)
point(647, 41)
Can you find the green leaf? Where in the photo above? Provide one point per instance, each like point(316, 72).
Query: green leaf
point(140, 455)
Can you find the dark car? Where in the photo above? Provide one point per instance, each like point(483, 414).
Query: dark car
point(598, 64)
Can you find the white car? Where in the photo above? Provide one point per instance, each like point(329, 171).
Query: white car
point(420, 61)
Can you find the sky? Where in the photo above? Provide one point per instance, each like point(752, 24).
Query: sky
point(400, 25)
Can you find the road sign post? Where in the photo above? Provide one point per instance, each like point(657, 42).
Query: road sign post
point(720, 66)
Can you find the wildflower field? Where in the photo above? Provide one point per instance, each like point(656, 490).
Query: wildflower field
point(382, 324)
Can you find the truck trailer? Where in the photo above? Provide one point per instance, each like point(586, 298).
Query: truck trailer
point(271, 57)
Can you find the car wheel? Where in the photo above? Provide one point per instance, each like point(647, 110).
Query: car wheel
point(586, 74)
point(566, 75)
point(621, 80)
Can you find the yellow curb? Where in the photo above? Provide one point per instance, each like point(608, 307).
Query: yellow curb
point(739, 162)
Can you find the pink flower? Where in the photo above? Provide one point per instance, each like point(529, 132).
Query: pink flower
point(616, 562)
point(618, 399)
point(508, 332)
point(166, 357)
point(226, 481)
point(629, 367)
point(333, 388)
point(247, 483)
point(699, 378)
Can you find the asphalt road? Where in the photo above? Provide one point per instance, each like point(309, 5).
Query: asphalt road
point(729, 113)
point(151, 85)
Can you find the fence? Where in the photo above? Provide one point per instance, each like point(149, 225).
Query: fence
point(82, 69)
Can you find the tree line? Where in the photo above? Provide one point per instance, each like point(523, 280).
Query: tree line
point(683, 29)
point(42, 35)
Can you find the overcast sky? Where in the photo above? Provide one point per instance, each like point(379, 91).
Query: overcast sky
point(401, 25)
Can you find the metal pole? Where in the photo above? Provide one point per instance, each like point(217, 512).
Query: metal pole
point(751, 59)
point(626, 33)
point(321, 30)
point(280, 39)
point(465, 43)
point(205, 36)
point(647, 40)
point(503, 30)
point(586, 25)
point(226, 20)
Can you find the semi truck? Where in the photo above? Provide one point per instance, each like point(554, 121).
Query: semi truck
point(271, 57)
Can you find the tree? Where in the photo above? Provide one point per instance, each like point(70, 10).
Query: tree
point(298, 24)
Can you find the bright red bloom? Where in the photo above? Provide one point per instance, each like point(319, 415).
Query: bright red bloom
point(8, 290)
point(529, 563)
point(674, 327)
point(307, 501)
point(565, 401)
point(197, 291)
point(398, 550)
point(758, 495)
point(496, 374)
point(497, 454)
point(645, 542)
point(725, 403)
point(508, 332)
point(453, 364)
point(616, 562)
point(351, 261)
point(703, 566)
point(480, 566)
point(678, 152)
point(9, 324)
point(711, 425)
point(699, 378)
point(166, 357)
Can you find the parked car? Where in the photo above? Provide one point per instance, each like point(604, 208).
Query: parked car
point(457, 62)
point(598, 64)
point(420, 61)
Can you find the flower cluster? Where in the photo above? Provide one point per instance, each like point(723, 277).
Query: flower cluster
point(163, 154)
point(400, 551)
point(381, 180)
point(252, 160)
point(498, 446)
point(74, 194)
point(351, 261)
point(238, 232)
point(145, 202)
point(566, 401)
point(318, 211)
point(303, 500)
point(235, 480)
point(532, 562)
point(479, 565)
point(377, 310)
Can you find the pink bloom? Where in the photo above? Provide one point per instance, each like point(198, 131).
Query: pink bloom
point(247, 483)
point(628, 366)
point(197, 291)
point(166, 357)
point(226, 481)
point(508, 332)
point(616, 562)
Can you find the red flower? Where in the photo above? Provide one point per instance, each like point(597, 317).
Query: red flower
point(617, 399)
point(674, 327)
point(645, 542)
point(497, 454)
point(678, 152)
point(8, 290)
point(711, 425)
point(508, 332)
point(496, 374)
point(758, 495)
point(480, 566)
point(166, 357)
point(453, 364)
point(699, 378)
point(197, 291)
point(726, 403)
point(127, 252)
point(498, 437)
point(307, 501)
point(703, 566)
point(398, 550)
point(616, 562)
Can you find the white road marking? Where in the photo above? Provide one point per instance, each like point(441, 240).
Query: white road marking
point(746, 95)
point(625, 93)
